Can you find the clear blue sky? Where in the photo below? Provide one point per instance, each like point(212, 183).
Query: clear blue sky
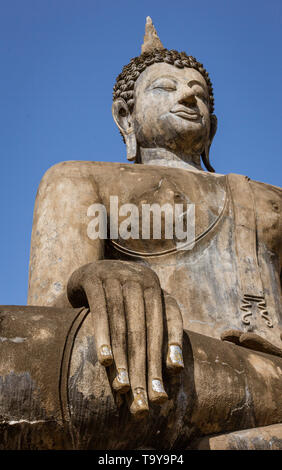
point(59, 60)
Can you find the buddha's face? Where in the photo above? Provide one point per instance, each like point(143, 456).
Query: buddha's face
point(171, 109)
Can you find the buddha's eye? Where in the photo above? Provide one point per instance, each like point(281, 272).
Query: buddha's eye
point(166, 88)
point(164, 84)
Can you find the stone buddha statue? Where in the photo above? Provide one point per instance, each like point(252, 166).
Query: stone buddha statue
point(178, 341)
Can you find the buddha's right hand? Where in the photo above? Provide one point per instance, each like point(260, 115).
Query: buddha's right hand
point(125, 300)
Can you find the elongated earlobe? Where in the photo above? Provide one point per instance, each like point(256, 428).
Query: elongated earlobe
point(131, 146)
point(206, 158)
point(123, 120)
point(206, 153)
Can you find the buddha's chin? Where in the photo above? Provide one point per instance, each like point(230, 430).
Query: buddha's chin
point(189, 136)
point(183, 125)
point(173, 133)
point(189, 140)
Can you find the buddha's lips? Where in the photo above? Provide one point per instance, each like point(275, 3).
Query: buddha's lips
point(185, 113)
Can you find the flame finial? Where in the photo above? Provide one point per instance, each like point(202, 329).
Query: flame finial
point(151, 38)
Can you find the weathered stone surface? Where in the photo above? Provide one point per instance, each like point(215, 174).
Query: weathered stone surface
point(72, 404)
point(266, 438)
point(206, 281)
point(222, 388)
point(96, 373)
point(33, 352)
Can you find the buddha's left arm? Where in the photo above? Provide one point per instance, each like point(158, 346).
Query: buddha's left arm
point(268, 204)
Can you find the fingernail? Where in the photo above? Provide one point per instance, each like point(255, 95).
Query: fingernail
point(158, 393)
point(158, 386)
point(105, 355)
point(122, 376)
point(139, 406)
point(175, 357)
point(121, 381)
point(140, 397)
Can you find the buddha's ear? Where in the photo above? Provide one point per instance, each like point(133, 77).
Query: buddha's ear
point(206, 153)
point(123, 120)
point(213, 127)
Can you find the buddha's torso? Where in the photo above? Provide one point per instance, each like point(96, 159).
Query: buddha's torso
point(206, 279)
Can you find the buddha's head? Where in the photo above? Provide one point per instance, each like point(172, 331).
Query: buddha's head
point(164, 99)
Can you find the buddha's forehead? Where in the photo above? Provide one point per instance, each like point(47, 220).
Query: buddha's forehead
point(155, 71)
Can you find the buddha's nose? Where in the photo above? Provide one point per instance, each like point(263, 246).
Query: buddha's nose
point(187, 97)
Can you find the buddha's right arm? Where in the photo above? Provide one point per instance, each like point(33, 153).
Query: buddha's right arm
point(66, 263)
point(59, 242)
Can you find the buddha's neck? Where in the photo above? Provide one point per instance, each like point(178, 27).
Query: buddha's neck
point(163, 157)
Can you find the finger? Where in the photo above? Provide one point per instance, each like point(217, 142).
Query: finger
point(154, 321)
point(257, 343)
point(174, 360)
point(136, 334)
point(232, 336)
point(117, 323)
point(96, 299)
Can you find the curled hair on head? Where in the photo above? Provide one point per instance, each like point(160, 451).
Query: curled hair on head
point(124, 86)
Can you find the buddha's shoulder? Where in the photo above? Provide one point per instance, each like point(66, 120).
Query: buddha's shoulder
point(78, 168)
point(266, 192)
point(99, 170)
point(258, 187)
point(268, 203)
point(85, 169)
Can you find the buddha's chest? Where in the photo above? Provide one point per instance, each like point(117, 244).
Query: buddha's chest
point(162, 211)
point(152, 210)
